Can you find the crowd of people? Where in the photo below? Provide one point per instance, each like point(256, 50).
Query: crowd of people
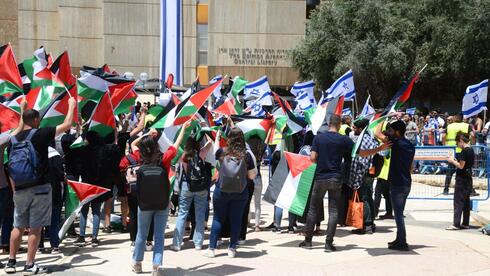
point(133, 167)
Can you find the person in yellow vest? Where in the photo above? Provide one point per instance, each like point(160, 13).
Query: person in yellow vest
point(382, 188)
point(345, 128)
point(449, 139)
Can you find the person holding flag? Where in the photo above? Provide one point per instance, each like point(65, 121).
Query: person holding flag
point(32, 195)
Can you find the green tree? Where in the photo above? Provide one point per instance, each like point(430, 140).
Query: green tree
point(385, 42)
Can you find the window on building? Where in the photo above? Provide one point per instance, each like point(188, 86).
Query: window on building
point(202, 44)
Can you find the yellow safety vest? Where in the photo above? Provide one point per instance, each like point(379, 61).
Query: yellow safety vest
point(386, 165)
point(343, 128)
point(452, 130)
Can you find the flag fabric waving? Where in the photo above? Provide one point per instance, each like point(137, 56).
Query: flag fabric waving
point(256, 107)
point(367, 110)
point(259, 127)
point(122, 96)
point(304, 95)
point(103, 120)
point(40, 97)
point(217, 90)
point(91, 87)
point(343, 86)
point(56, 113)
point(238, 85)
point(30, 67)
point(62, 69)
point(256, 89)
point(291, 183)
point(85, 193)
point(9, 118)
point(475, 99)
point(10, 80)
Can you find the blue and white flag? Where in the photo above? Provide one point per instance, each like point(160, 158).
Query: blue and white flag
point(346, 112)
point(254, 90)
point(255, 107)
point(411, 111)
point(171, 54)
point(475, 99)
point(217, 90)
point(344, 86)
point(304, 93)
point(367, 110)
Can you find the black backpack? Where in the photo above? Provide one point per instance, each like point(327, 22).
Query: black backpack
point(196, 175)
point(152, 188)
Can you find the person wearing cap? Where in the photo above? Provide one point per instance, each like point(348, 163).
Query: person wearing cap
point(402, 154)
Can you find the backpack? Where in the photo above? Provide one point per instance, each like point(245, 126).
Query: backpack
point(152, 188)
point(24, 162)
point(233, 175)
point(196, 175)
point(131, 176)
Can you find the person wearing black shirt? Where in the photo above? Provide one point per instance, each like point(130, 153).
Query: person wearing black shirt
point(328, 151)
point(400, 179)
point(464, 182)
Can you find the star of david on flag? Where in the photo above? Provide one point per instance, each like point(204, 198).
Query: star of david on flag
point(343, 86)
point(475, 99)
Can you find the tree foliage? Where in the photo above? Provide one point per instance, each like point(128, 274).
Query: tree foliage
point(385, 42)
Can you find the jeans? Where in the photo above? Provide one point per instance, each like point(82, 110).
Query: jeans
point(54, 240)
point(462, 201)
point(399, 196)
point(382, 189)
point(366, 196)
point(96, 218)
point(257, 198)
point(6, 214)
point(320, 188)
point(246, 211)
point(278, 217)
point(159, 218)
point(227, 206)
point(200, 204)
point(133, 219)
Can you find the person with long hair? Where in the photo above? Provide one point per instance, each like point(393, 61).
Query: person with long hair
point(231, 205)
point(149, 192)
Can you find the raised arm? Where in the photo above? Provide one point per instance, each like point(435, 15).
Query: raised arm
point(141, 123)
point(68, 119)
point(181, 134)
point(20, 127)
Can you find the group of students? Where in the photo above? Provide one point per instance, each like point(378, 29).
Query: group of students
point(141, 175)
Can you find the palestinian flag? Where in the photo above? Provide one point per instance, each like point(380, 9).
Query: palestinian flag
point(85, 193)
point(324, 110)
point(294, 124)
point(239, 84)
point(291, 183)
point(56, 113)
point(259, 127)
point(122, 96)
point(103, 120)
point(227, 107)
point(14, 101)
point(78, 143)
point(9, 118)
point(401, 96)
point(47, 78)
point(40, 97)
point(62, 69)
point(90, 87)
point(187, 108)
point(30, 67)
point(10, 80)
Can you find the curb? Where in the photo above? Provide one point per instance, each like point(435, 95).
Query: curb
point(479, 218)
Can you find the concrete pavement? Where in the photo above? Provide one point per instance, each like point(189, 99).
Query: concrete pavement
point(434, 251)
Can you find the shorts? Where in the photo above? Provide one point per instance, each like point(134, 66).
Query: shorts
point(32, 207)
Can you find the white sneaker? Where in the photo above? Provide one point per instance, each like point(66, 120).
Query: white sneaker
point(209, 253)
point(136, 266)
point(231, 252)
point(174, 248)
point(198, 247)
point(149, 246)
point(131, 247)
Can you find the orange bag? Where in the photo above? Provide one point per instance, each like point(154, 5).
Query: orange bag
point(355, 212)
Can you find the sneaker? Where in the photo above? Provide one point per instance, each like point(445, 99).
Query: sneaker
point(80, 242)
point(276, 230)
point(445, 192)
point(399, 246)
point(149, 246)
point(305, 244)
point(359, 231)
point(210, 253)
point(291, 230)
point(34, 269)
point(198, 247)
point(231, 252)
point(386, 216)
point(55, 250)
point(329, 247)
point(175, 248)
point(136, 267)
point(271, 226)
point(465, 227)
point(95, 242)
point(131, 247)
point(10, 266)
point(452, 227)
point(156, 271)
point(107, 230)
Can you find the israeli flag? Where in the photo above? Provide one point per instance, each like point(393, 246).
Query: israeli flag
point(344, 86)
point(304, 93)
point(475, 99)
point(367, 109)
point(217, 90)
point(346, 112)
point(411, 111)
point(254, 90)
point(256, 107)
